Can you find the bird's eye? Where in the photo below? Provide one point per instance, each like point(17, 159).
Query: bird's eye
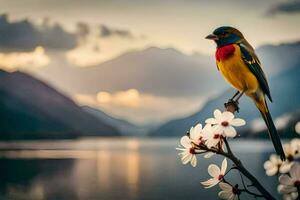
point(223, 34)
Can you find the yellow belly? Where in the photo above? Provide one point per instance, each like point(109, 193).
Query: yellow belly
point(236, 72)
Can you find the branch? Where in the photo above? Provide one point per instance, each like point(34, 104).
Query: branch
point(232, 106)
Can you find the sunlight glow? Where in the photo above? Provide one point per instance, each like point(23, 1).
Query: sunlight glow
point(130, 98)
point(133, 173)
point(22, 60)
point(104, 168)
point(140, 107)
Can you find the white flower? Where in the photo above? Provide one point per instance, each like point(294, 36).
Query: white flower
point(224, 122)
point(229, 192)
point(297, 127)
point(295, 147)
point(216, 173)
point(188, 151)
point(212, 136)
point(291, 151)
point(290, 182)
point(196, 134)
point(287, 196)
point(273, 165)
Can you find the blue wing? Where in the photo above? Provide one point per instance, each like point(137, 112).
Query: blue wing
point(253, 63)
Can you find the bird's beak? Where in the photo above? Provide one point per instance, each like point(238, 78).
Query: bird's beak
point(212, 37)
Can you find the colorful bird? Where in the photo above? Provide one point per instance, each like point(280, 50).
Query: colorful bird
point(241, 67)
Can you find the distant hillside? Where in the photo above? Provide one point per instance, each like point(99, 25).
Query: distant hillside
point(159, 71)
point(124, 127)
point(31, 109)
point(277, 58)
point(285, 89)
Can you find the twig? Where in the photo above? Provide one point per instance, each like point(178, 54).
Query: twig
point(233, 107)
point(246, 189)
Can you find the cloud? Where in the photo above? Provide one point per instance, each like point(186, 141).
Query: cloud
point(139, 107)
point(26, 36)
point(129, 98)
point(156, 71)
point(94, 50)
point(24, 60)
point(291, 6)
point(106, 31)
point(83, 30)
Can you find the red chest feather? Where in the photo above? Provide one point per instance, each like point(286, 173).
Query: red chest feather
point(224, 52)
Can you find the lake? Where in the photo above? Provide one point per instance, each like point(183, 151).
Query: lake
point(115, 169)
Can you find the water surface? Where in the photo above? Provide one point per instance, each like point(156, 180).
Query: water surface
point(114, 168)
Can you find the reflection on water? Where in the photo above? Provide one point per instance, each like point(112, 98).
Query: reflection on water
point(108, 169)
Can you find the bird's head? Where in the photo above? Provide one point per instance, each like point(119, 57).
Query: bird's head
point(225, 35)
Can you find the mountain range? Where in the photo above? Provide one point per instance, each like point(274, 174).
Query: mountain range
point(31, 109)
point(163, 72)
point(124, 127)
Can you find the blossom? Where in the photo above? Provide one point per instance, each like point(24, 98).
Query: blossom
point(291, 151)
point(295, 147)
point(272, 166)
point(216, 173)
point(212, 136)
point(224, 122)
point(229, 192)
point(188, 153)
point(287, 196)
point(290, 183)
point(196, 134)
point(297, 127)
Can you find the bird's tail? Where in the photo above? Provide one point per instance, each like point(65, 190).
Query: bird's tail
point(263, 108)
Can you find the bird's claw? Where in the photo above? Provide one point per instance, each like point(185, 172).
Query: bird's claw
point(232, 105)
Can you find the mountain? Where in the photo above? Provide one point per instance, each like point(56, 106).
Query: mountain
point(277, 58)
point(124, 127)
point(156, 71)
point(30, 109)
point(284, 87)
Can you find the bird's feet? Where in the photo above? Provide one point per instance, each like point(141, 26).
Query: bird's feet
point(232, 105)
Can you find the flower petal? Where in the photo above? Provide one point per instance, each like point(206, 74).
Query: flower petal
point(275, 159)
point(272, 171)
point(227, 116)
point(185, 142)
point(198, 128)
point(196, 132)
point(194, 161)
point(213, 170)
point(211, 121)
point(238, 122)
point(283, 189)
point(209, 155)
point(225, 186)
point(224, 194)
point(210, 183)
point(224, 166)
point(186, 158)
point(285, 180)
point(295, 171)
point(229, 131)
point(268, 165)
point(285, 167)
point(217, 114)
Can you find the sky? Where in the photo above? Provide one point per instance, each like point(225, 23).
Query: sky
point(84, 34)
